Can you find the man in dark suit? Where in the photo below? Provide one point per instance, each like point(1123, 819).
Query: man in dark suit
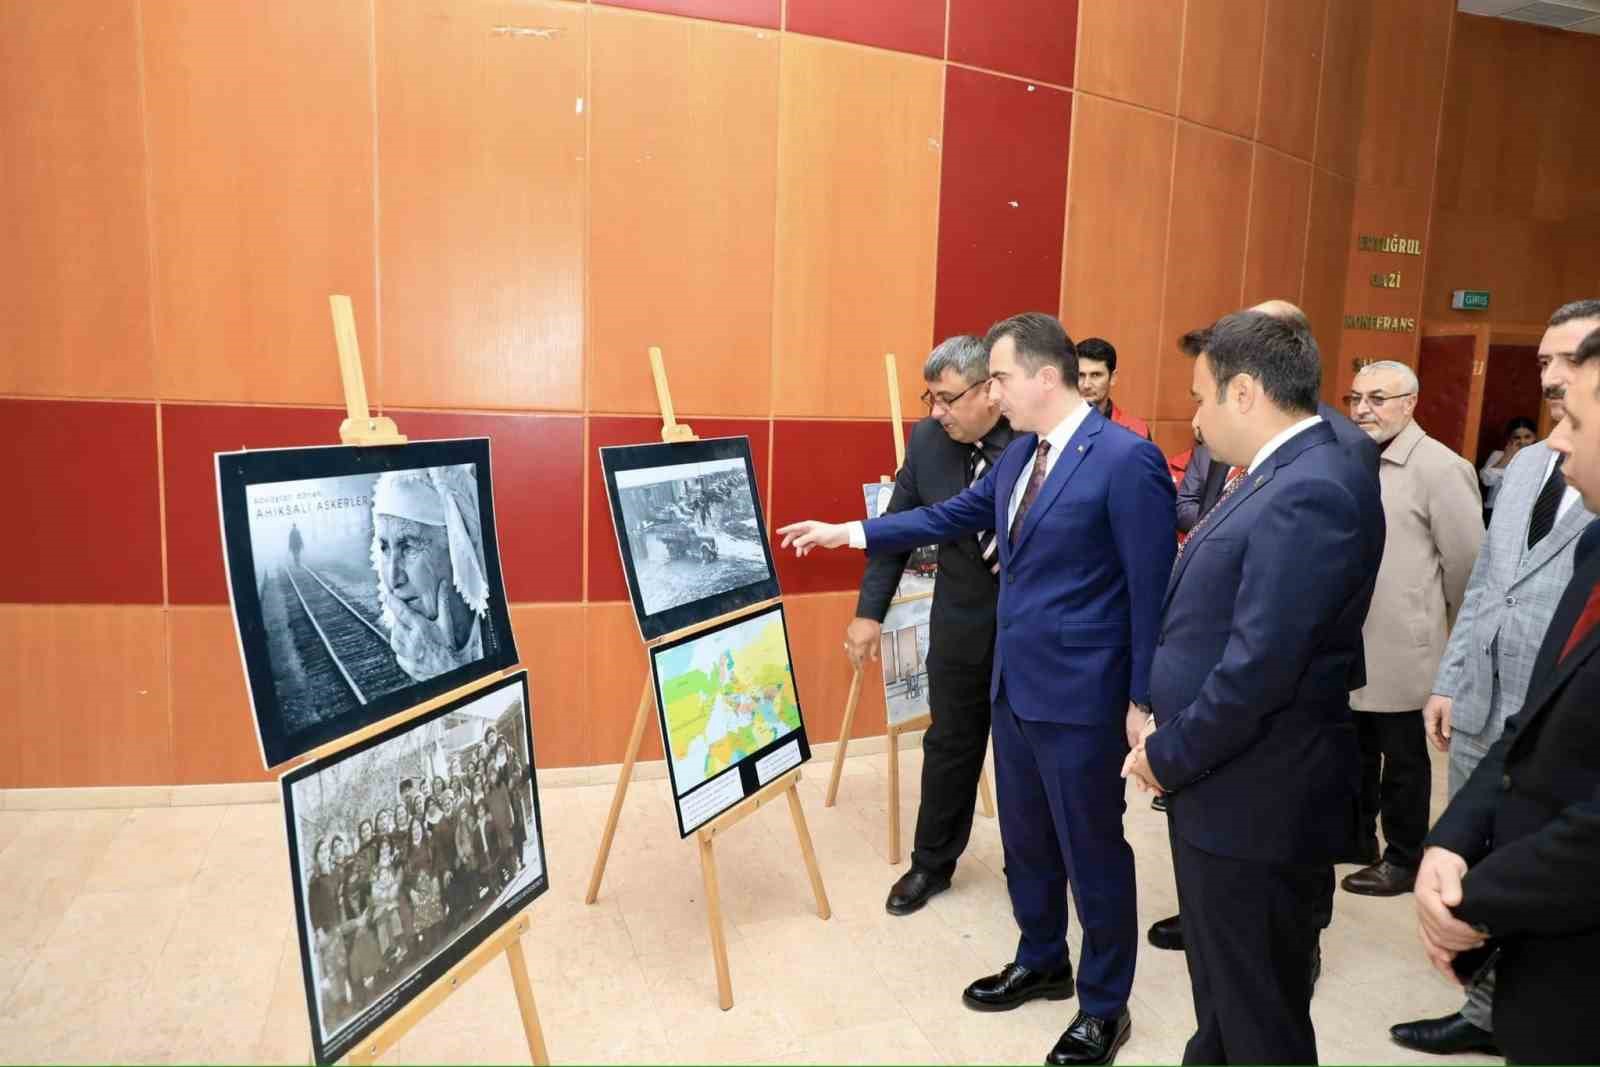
point(1253, 735)
point(1202, 486)
point(1087, 510)
point(962, 437)
point(1510, 869)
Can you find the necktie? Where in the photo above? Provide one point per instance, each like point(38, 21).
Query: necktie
point(986, 543)
point(1235, 480)
point(1041, 456)
point(1544, 508)
point(1586, 622)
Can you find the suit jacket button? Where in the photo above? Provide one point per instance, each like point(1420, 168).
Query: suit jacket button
point(1511, 601)
point(1505, 783)
point(1010, 577)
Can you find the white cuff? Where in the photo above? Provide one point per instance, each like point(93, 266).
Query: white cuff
point(858, 534)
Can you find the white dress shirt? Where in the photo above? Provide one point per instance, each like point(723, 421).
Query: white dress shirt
point(1568, 498)
point(1058, 439)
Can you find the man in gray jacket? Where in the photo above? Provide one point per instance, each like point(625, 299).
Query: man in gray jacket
point(1523, 567)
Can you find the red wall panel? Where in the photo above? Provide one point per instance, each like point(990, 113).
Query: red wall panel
point(749, 12)
point(1030, 38)
point(1002, 200)
point(1510, 388)
point(190, 434)
point(903, 25)
point(606, 580)
point(818, 468)
point(85, 522)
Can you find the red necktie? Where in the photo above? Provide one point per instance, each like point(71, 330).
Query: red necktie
point(1586, 622)
point(1035, 483)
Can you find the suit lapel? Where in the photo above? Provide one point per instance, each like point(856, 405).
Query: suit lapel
point(1566, 528)
point(1071, 456)
point(1005, 483)
point(1216, 517)
point(1550, 672)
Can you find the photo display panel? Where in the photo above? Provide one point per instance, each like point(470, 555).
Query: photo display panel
point(406, 852)
point(689, 530)
point(922, 566)
point(729, 712)
point(903, 652)
point(363, 581)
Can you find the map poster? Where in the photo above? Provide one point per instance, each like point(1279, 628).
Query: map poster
point(923, 564)
point(730, 715)
point(904, 655)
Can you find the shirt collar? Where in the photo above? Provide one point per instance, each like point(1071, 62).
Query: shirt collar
point(1283, 437)
point(1068, 426)
point(1402, 444)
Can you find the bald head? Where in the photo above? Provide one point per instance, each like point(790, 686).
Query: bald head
point(1282, 309)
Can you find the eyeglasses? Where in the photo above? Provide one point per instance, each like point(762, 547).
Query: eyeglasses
point(929, 398)
point(1376, 400)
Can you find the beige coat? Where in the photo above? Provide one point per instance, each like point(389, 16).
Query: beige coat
point(1435, 525)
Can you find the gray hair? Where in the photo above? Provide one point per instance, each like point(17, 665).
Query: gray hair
point(1407, 375)
point(1578, 309)
point(968, 356)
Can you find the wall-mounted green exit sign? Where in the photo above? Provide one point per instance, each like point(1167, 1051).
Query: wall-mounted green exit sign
point(1470, 300)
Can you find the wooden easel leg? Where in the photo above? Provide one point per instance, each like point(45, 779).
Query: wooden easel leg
point(530, 1012)
point(622, 791)
point(844, 739)
point(985, 794)
point(719, 944)
point(824, 911)
point(894, 795)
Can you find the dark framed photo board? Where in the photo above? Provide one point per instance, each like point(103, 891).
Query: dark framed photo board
point(689, 530)
point(364, 581)
point(408, 850)
point(729, 712)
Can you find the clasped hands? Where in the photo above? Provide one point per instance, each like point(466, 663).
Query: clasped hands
point(1140, 726)
point(1438, 890)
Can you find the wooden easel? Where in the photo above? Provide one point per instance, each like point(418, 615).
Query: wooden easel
point(921, 722)
point(361, 427)
point(675, 432)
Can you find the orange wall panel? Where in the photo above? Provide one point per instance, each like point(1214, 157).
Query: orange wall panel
point(1344, 77)
point(1117, 205)
point(555, 649)
point(1407, 48)
point(617, 670)
point(1205, 250)
point(481, 148)
point(1291, 66)
point(260, 131)
point(85, 699)
point(75, 288)
point(684, 150)
point(213, 728)
point(857, 214)
point(1275, 254)
point(1221, 83)
point(1328, 244)
point(1131, 51)
point(822, 673)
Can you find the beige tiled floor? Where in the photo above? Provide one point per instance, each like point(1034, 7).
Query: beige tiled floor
point(164, 935)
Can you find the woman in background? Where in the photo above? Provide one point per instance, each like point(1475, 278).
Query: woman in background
point(422, 887)
point(1520, 433)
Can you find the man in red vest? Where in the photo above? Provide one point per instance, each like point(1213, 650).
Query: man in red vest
point(1097, 373)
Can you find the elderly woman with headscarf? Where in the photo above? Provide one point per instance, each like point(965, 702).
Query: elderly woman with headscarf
point(427, 547)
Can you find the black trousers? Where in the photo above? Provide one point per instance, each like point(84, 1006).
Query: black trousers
point(953, 749)
point(1248, 931)
point(1396, 782)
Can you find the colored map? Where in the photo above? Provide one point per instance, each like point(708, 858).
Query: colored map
point(725, 696)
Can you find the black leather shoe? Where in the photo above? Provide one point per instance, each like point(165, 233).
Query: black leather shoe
point(1158, 802)
point(1382, 879)
point(1167, 934)
point(1444, 1037)
point(912, 891)
point(1016, 985)
point(1091, 1039)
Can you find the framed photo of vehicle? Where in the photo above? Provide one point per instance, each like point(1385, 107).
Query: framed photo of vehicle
point(690, 531)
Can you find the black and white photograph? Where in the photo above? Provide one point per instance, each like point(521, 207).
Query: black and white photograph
point(406, 852)
point(922, 567)
point(903, 651)
point(363, 581)
point(690, 530)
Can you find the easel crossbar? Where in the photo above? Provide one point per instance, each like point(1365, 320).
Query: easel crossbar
point(748, 806)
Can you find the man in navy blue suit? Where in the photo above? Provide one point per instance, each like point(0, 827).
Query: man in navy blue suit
point(1087, 509)
point(1253, 738)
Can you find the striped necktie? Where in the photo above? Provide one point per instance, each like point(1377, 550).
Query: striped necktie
point(1543, 519)
point(978, 463)
point(1235, 480)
